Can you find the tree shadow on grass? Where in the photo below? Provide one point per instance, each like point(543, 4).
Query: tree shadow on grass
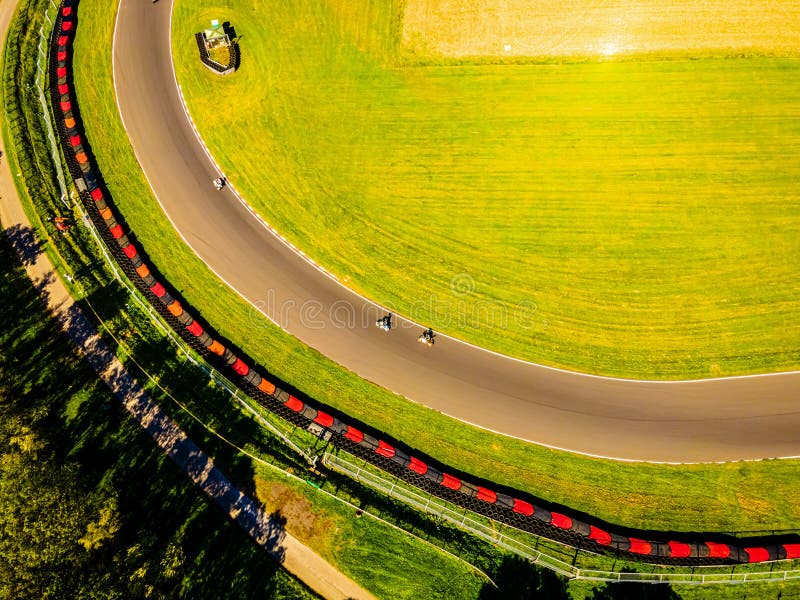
point(34, 353)
point(162, 507)
point(171, 540)
point(634, 591)
point(184, 388)
point(519, 579)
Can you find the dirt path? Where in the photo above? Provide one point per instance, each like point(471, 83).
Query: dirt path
point(297, 558)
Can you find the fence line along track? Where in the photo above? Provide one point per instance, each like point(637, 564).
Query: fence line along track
point(276, 405)
point(51, 15)
point(463, 521)
point(40, 82)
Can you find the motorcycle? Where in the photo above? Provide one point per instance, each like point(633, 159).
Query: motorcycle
point(426, 338)
point(384, 323)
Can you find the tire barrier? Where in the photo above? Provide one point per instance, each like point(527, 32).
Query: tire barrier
point(205, 57)
point(502, 505)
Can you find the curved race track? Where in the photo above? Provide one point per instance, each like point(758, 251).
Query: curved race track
point(714, 420)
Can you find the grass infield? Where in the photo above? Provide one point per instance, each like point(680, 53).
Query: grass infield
point(732, 497)
point(637, 218)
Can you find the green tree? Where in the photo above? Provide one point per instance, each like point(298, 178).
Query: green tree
point(103, 529)
point(42, 515)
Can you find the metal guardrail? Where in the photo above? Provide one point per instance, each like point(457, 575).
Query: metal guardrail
point(463, 521)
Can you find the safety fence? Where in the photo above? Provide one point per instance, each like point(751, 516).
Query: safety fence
point(42, 57)
point(462, 519)
point(135, 295)
point(494, 505)
point(431, 506)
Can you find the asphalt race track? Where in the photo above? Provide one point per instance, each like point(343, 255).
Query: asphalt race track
point(715, 420)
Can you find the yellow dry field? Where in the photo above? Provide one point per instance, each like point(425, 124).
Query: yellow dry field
point(463, 28)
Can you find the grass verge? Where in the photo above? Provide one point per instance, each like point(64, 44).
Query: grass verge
point(733, 497)
point(172, 373)
point(186, 546)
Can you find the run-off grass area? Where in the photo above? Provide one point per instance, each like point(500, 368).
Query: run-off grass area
point(627, 218)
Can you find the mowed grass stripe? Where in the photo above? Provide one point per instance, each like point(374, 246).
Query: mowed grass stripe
point(635, 219)
point(514, 28)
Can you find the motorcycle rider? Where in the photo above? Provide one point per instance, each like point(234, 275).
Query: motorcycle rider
point(385, 323)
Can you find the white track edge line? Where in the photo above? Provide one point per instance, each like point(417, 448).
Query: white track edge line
point(261, 220)
point(333, 277)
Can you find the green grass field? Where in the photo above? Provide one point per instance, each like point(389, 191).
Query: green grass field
point(731, 497)
point(637, 218)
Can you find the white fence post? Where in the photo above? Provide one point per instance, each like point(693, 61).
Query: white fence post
point(40, 80)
